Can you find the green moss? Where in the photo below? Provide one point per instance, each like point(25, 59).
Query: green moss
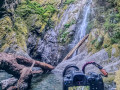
point(55, 18)
point(65, 7)
point(44, 2)
point(109, 51)
point(107, 19)
point(109, 79)
point(64, 34)
point(36, 15)
point(99, 42)
point(45, 12)
point(116, 46)
point(20, 26)
point(107, 41)
point(12, 34)
point(21, 31)
point(79, 88)
point(69, 1)
point(95, 40)
point(69, 24)
point(117, 79)
point(5, 32)
point(63, 38)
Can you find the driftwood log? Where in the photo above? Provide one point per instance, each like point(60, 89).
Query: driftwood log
point(75, 48)
point(21, 68)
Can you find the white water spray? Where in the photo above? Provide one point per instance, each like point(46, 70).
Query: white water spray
point(81, 26)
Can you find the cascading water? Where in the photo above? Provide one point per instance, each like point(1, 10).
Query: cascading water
point(82, 25)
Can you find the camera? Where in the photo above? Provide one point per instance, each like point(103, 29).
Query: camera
point(72, 77)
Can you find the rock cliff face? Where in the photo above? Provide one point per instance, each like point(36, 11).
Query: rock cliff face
point(24, 36)
point(26, 33)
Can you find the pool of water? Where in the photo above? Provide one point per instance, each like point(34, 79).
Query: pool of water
point(4, 75)
point(47, 82)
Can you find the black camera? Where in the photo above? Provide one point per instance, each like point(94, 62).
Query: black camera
point(72, 77)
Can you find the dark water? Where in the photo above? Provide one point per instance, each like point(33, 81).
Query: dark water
point(44, 82)
point(50, 82)
point(4, 75)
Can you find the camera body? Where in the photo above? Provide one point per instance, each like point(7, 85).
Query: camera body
point(74, 77)
point(93, 80)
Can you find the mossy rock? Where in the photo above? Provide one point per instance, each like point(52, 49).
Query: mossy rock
point(20, 26)
point(54, 2)
point(109, 79)
point(37, 16)
point(55, 18)
point(5, 31)
point(34, 22)
point(21, 31)
point(95, 40)
point(117, 79)
point(116, 47)
point(79, 88)
point(12, 34)
point(109, 51)
point(107, 41)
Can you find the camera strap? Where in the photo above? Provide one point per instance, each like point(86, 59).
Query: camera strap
point(104, 73)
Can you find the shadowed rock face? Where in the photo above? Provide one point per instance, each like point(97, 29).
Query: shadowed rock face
point(1, 9)
point(9, 4)
point(7, 7)
point(1, 3)
point(45, 49)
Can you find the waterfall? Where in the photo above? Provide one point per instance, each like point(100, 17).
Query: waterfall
point(82, 25)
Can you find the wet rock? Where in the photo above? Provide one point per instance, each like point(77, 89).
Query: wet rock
point(9, 4)
point(113, 51)
point(8, 82)
point(47, 82)
point(110, 86)
point(46, 48)
point(101, 57)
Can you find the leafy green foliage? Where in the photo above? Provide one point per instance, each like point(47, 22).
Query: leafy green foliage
point(45, 12)
point(112, 25)
point(64, 34)
point(69, 1)
point(69, 24)
point(116, 37)
point(93, 41)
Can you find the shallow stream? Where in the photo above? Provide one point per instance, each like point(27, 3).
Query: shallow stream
point(47, 82)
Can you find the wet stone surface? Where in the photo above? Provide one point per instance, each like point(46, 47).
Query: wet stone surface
point(4, 75)
point(47, 82)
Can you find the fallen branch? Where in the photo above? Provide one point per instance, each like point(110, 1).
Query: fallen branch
point(75, 48)
point(18, 67)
